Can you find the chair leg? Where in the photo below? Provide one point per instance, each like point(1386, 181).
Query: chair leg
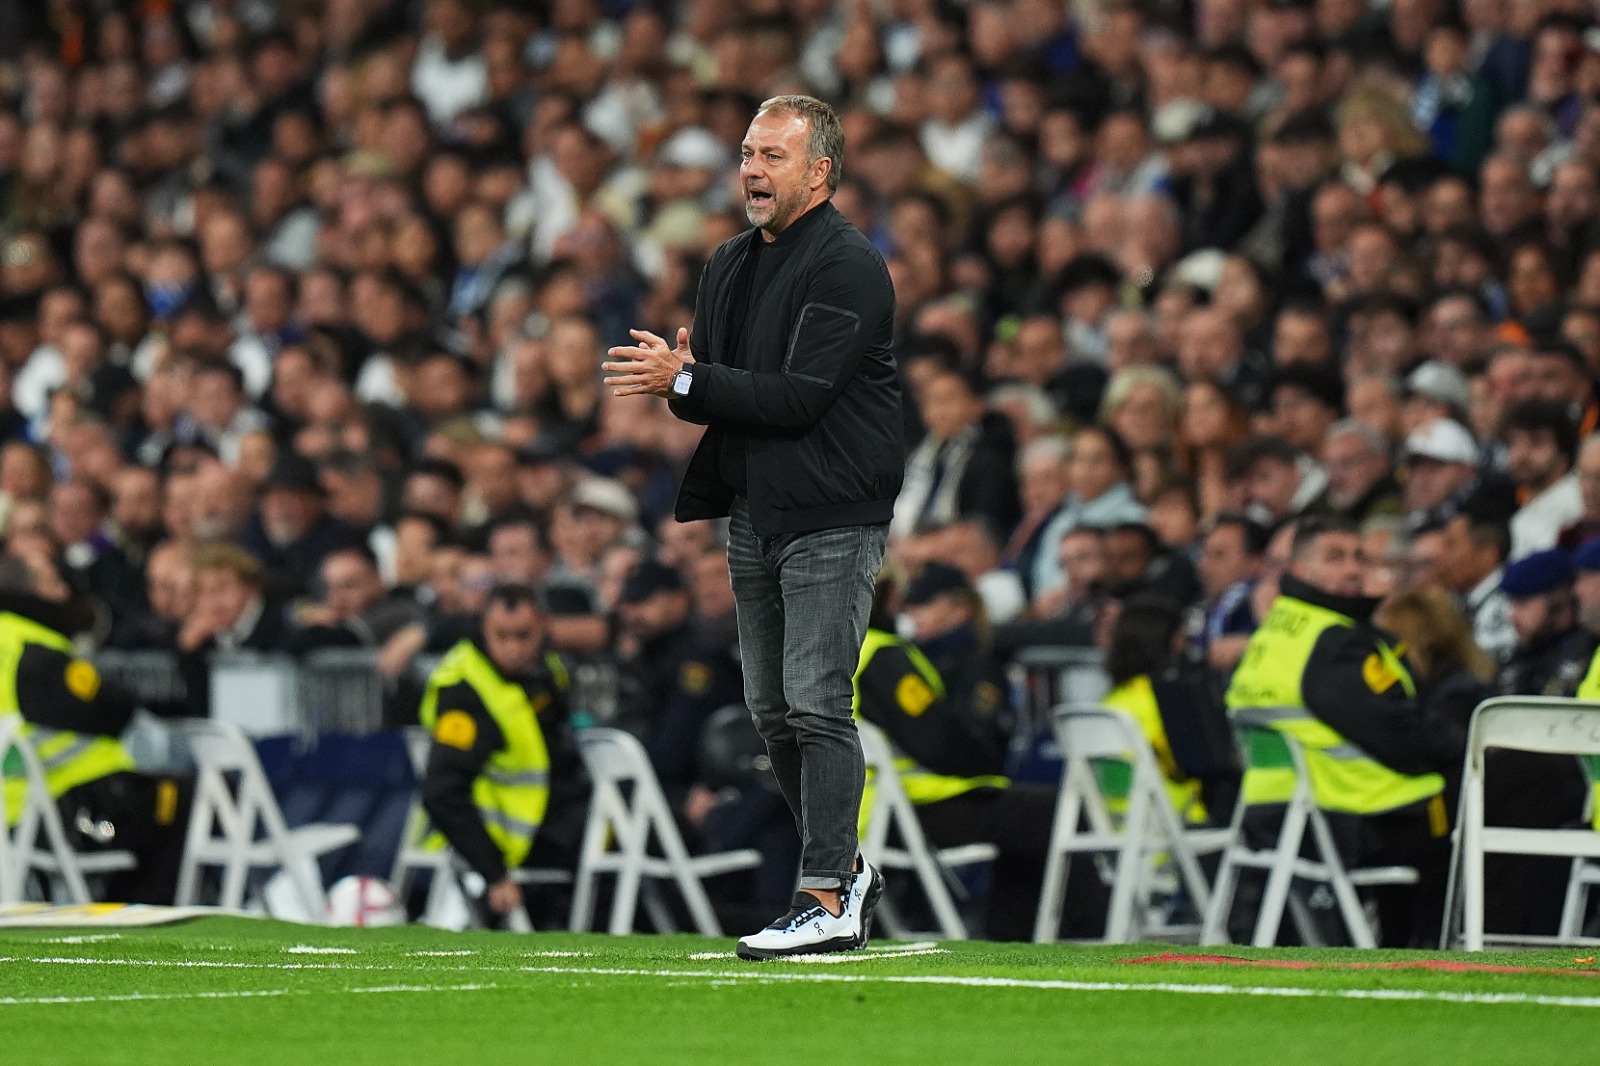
point(1057, 867)
point(1576, 903)
point(1279, 877)
point(1350, 908)
point(1119, 918)
point(660, 915)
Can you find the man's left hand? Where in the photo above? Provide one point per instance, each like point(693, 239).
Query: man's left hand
point(648, 368)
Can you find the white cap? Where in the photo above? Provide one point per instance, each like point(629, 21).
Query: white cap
point(695, 148)
point(1441, 383)
point(606, 496)
point(1444, 440)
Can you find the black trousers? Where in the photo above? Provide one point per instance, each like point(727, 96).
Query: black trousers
point(1017, 820)
point(148, 816)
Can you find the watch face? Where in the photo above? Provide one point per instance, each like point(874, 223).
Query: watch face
point(680, 383)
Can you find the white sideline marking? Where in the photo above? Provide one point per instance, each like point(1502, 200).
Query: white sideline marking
point(312, 949)
point(438, 954)
point(869, 955)
point(1403, 994)
point(92, 938)
point(768, 974)
point(915, 945)
point(882, 951)
point(558, 954)
point(144, 997)
point(703, 956)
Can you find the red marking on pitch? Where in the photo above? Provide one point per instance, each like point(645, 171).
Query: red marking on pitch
point(1439, 965)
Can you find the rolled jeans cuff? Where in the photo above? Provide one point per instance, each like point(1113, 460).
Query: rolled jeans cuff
point(826, 880)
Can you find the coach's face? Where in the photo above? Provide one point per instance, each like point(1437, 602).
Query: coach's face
point(778, 181)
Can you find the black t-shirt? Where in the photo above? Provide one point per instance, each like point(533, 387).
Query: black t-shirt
point(755, 274)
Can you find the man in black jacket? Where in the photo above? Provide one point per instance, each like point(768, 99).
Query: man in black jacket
point(790, 367)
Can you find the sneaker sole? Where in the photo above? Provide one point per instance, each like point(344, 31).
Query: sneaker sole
point(870, 905)
point(838, 943)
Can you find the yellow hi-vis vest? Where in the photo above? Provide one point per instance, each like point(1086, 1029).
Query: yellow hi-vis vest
point(921, 785)
point(513, 790)
point(1343, 777)
point(1137, 700)
point(70, 759)
point(1589, 689)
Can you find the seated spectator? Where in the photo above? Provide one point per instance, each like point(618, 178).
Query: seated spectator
point(1099, 494)
point(943, 710)
point(1361, 482)
point(1150, 685)
point(1587, 469)
point(1229, 565)
point(1552, 652)
point(1280, 481)
point(1541, 444)
point(1471, 565)
point(964, 466)
point(291, 531)
point(231, 613)
point(356, 609)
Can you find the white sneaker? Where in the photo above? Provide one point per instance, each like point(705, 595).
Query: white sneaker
point(807, 929)
point(866, 888)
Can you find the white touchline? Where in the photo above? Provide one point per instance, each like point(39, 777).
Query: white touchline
point(830, 957)
point(311, 949)
point(264, 993)
point(767, 974)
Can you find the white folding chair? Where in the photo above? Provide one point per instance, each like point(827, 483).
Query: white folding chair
point(446, 906)
point(239, 827)
point(626, 809)
point(1145, 839)
point(1282, 860)
point(65, 869)
point(892, 811)
point(1521, 723)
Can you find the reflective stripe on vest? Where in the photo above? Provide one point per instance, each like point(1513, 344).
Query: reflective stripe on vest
point(69, 759)
point(1343, 777)
point(922, 786)
point(513, 790)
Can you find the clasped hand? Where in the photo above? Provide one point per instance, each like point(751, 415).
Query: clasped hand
point(648, 367)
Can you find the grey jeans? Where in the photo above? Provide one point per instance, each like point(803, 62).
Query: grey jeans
point(803, 602)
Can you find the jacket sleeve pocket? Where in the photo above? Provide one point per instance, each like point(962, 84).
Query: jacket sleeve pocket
point(822, 348)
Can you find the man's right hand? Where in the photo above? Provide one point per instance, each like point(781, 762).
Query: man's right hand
point(505, 895)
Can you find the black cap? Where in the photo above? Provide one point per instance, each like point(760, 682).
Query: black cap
point(649, 578)
point(296, 473)
point(936, 579)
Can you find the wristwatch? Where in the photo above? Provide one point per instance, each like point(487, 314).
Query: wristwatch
point(681, 382)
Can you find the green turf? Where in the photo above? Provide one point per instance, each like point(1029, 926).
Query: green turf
point(384, 1003)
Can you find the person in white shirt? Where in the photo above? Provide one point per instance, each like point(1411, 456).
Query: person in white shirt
point(1541, 444)
point(449, 74)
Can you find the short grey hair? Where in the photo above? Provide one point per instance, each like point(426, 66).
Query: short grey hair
point(827, 136)
point(1375, 441)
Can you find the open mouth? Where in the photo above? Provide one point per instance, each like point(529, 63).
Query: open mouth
point(758, 196)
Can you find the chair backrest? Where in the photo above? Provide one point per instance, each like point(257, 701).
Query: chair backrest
point(614, 756)
point(1095, 732)
point(1262, 747)
point(1545, 724)
point(221, 750)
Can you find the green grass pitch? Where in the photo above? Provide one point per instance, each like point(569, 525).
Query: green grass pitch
point(230, 990)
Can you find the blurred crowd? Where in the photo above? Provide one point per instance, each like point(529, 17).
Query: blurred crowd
point(302, 306)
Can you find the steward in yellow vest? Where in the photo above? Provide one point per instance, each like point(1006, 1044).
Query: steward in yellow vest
point(74, 720)
point(941, 702)
point(1334, 682)
point(503, 771)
